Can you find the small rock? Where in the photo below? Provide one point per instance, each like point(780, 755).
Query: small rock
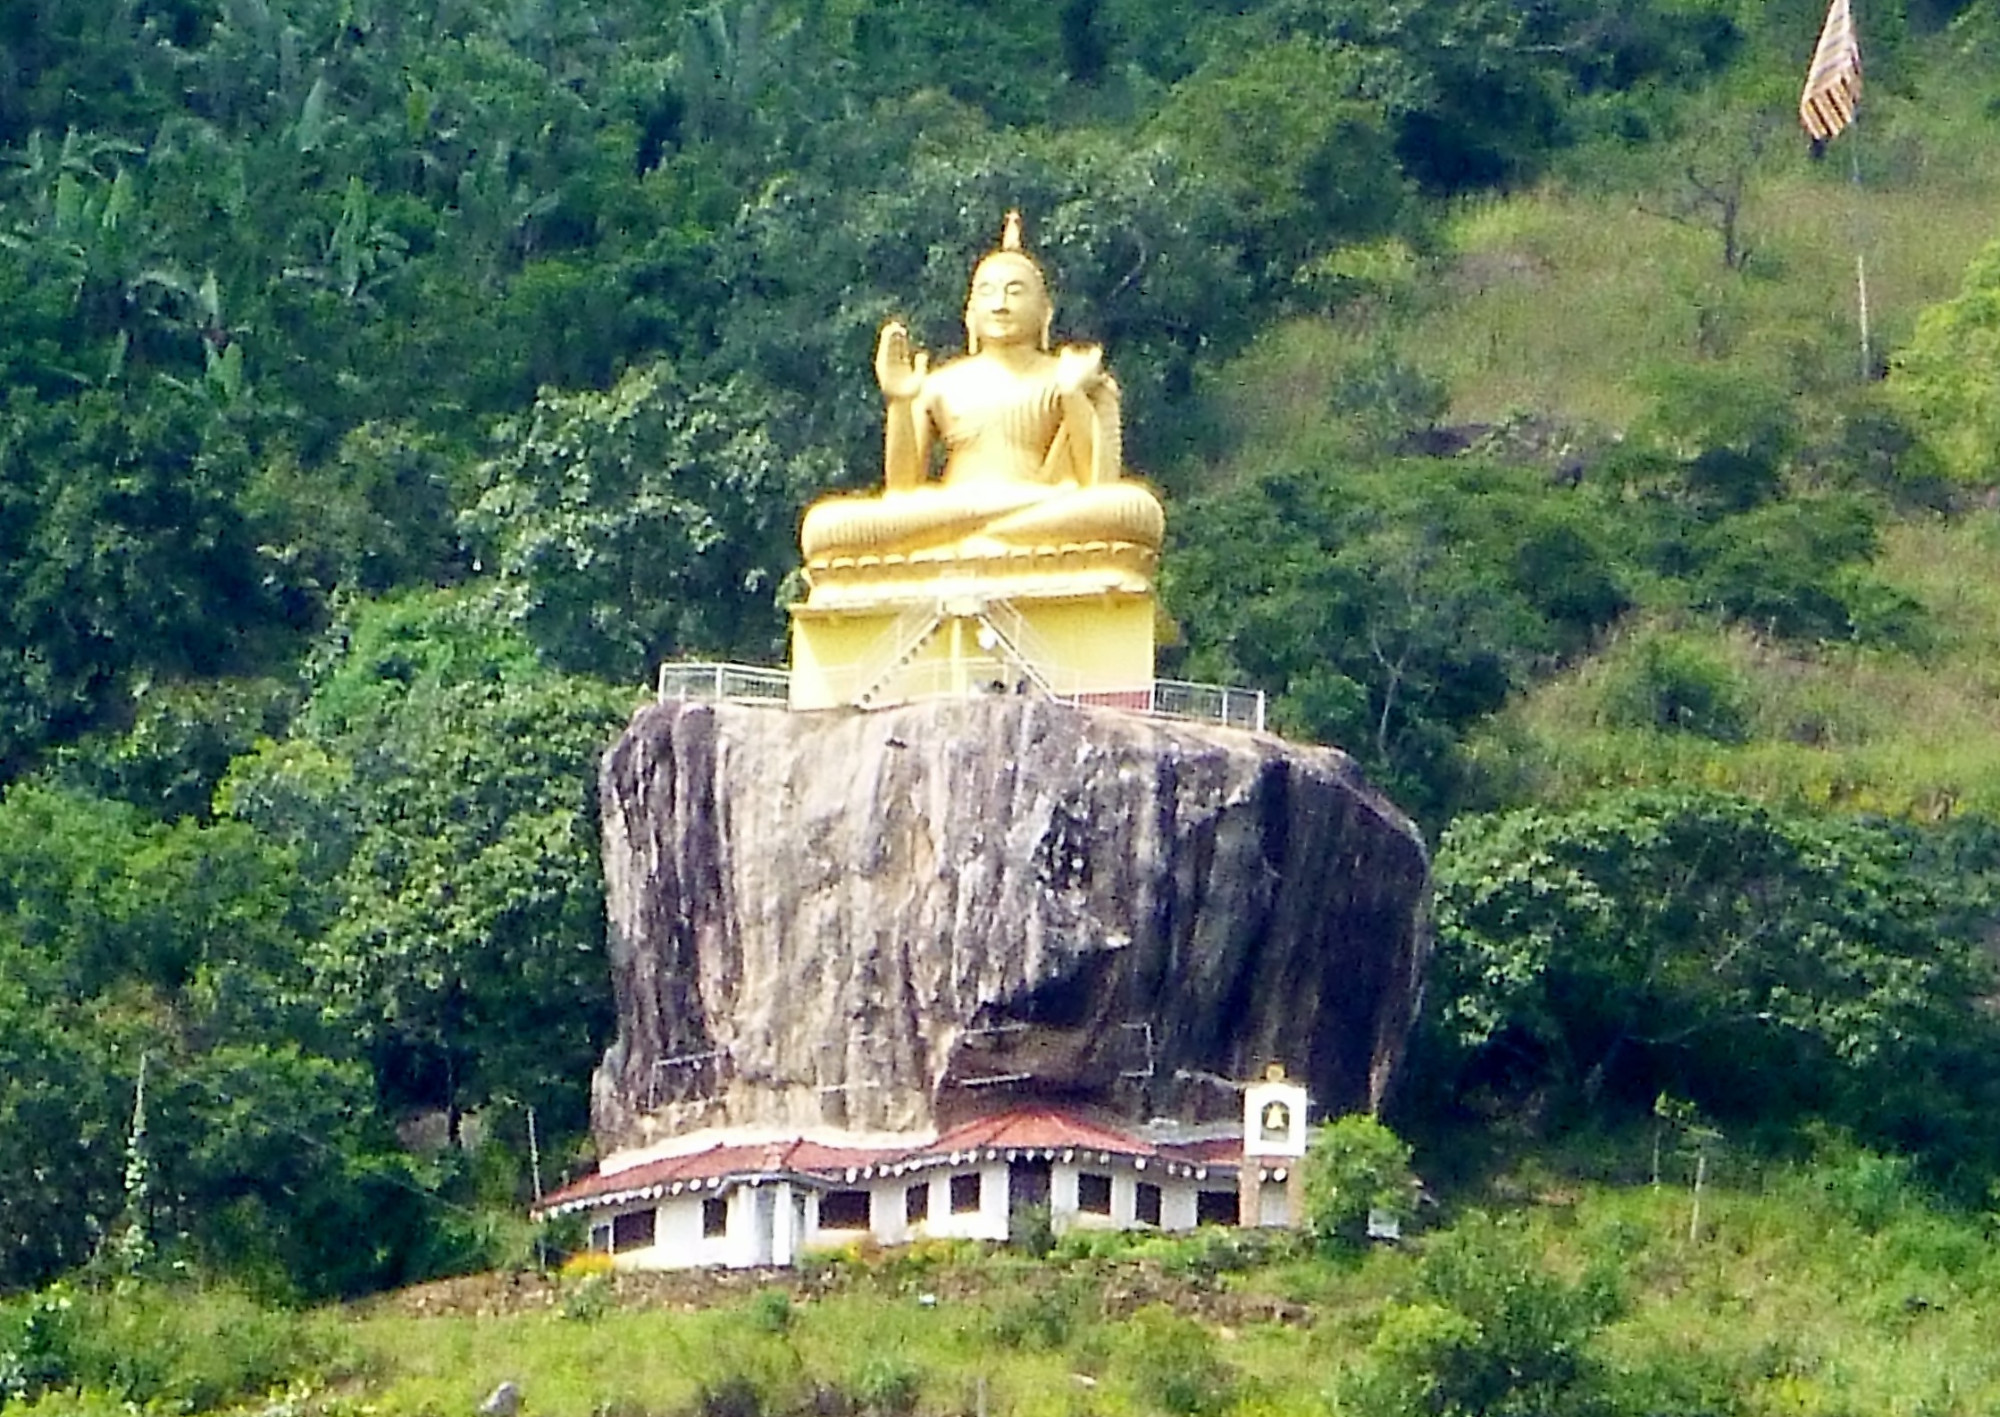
point(503, 1401)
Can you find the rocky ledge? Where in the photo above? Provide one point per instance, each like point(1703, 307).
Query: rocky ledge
point(885, 921)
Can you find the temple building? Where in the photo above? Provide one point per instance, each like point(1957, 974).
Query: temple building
point(738, 1202)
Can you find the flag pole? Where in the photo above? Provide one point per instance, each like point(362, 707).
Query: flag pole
point(1860, 251)
point(1829, 106)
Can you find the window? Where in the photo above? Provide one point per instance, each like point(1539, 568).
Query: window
point(1146, 1204)
point(843, 1210)
point(714, 1217)
point(1093, 1193)
point(600, 1239)
point(917, 1204)
point(1028, 1185)
point(632, 1230)
point(965, 1193)
point(1216, 1208)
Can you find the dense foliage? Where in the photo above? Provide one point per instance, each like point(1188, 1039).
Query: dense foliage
point(390, 388)
point(1763, 964)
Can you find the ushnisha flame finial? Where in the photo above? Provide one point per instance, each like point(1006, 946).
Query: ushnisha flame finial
point(1010, 232)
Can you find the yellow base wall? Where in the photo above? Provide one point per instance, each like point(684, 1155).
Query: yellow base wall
point(1097, 647)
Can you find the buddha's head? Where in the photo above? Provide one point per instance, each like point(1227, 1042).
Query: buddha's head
point(1009, 300)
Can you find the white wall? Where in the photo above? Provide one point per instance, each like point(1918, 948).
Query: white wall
point(1177, 1198)
point(989, 1222)
point(885, 1217)
point(1177, 1204)
point(679, 1244)
point(887, 1208)
point(677, 1239)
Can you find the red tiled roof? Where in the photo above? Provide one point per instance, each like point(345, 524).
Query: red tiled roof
point(714, 1163)
point(1045, 1129)
point(1039, 1128)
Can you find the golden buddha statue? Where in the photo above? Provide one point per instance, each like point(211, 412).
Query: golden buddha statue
point(1030, 437)
point(1006, 549)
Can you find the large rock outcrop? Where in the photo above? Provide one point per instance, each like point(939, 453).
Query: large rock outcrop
point(881, 921)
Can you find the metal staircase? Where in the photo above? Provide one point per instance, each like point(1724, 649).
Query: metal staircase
point(910, 633)
point(1017, 638)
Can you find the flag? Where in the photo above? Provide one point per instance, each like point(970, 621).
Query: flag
point(1833, 84)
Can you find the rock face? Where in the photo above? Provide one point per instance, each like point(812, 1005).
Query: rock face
point(884, 921)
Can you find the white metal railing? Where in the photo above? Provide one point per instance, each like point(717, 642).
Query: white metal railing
point(1231, 706)
point(1211, 703)
point(710, 683)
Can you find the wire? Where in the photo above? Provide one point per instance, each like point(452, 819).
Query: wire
point(277, 1124)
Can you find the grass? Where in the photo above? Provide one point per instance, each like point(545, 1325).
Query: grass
point(1559, 300)
point(1809, 1291)
point(1913, 734)
point(859, 1350)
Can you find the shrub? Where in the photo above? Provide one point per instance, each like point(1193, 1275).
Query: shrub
point(1215, 1250)
point(173, 1349)
point(732, 1395)
point(1353, 1166)
point(1032, 1229)
point(1787, 568)
point(1681, 1382)
point(887, 1384)
point(771, 1311)
point(1381, 400)
point(586, 1298)
point(1489, 1332)
point(37, 1338)
point(72, 1404)
point(1037, 1318)
point(1175, 1364)
point(1674, 684)
point(1084, 1246)
point(585, 1263)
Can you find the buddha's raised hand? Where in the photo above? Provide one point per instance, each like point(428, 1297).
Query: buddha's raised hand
point(1080, 368)
point(897, 370)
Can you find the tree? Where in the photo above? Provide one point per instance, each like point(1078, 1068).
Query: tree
point(169, 755)
point(1948, 375)
point(1355, 1166)
point(1139, 246)
point(1389, 609)
point(1704, 484)
point(1304, 174)
point(655, 520)
point(1472, 102)
point(1711, 948)
point(440, 784)
point(60, 1108)
point(378, 515)
point(127, 944)
point(124, 553)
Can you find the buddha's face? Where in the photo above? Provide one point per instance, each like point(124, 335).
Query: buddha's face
point(1009, 304)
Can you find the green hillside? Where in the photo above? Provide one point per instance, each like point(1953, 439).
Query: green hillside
point(1830, 1290)
point(390, 388)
